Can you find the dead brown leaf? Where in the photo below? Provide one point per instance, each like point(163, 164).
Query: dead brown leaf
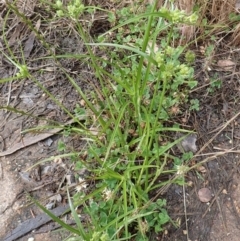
point(204, 195)
point(226, 64)
point(16, 34)
point(27, 141)
point(29, 43)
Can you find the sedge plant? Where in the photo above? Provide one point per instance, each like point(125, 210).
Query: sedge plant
point(143, 82)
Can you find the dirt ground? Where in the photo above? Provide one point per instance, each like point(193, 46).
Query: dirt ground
point(15, 178)
point(217, 125)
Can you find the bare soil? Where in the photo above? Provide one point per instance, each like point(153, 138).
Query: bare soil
point(217, 125)
point(216, 220)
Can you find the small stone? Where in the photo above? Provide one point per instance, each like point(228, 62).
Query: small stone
point(31, 239)
point(188, 143)
point(224, 191)
point(50, 205)
point(202, 169)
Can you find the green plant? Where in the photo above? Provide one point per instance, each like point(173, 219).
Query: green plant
point(194, 104)
point(215, 83)
point(127, 130)
point(73, 10)
point(143, 85)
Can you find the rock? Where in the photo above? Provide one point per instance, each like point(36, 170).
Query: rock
point(188, 143)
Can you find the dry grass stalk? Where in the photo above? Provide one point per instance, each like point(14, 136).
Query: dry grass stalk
point(215, 11)
point(187, 31)
point(236, 35)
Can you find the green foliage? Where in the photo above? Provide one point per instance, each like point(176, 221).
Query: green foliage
point(145, 79)
point(194, 104)
point(126, 129)
point(234, 17)
point(79, 112)
point(215, 84)
point(61, 146)
point(209, 50)
point(159, 215)
point(74, 9)
point(190, 57)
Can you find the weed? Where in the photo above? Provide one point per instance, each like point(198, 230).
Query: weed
point(143, 79)
point(137, 100)
point(194, 104)
point(215, 84)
